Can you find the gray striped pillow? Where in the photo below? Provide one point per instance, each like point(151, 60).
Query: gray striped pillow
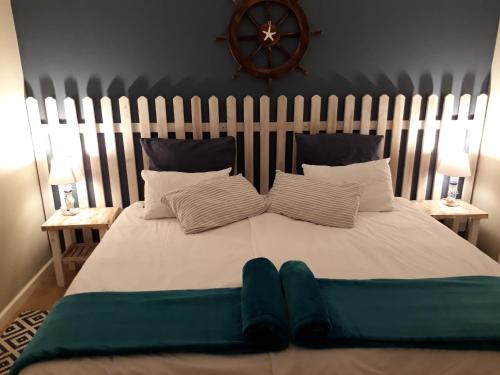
point(316, 201)
point(214, 203)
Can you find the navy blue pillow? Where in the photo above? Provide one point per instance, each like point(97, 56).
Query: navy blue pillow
point(336, 149)
point(190, 155)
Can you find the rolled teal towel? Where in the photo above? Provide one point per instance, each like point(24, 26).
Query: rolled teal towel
point(263, 308)
point(307, 312)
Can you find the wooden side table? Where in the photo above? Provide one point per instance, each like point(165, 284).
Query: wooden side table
point(87, 218)
point(465, 211)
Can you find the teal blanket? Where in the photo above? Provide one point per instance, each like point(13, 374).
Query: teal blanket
point(446, 313)
point(250, 319)
point(441, 313)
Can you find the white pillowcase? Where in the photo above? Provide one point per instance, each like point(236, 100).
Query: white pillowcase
point(375, 176)
point(157, 184)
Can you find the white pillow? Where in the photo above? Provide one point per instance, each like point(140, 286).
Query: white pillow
point(157, 184)
point(374, 175)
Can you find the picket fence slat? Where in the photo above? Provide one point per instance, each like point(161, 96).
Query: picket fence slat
point(57, 136)
point(383, 110)
point(366, 112)
point(411, 146)
point(445, 132)
point(196, 117)
point(350, 101)
point(110, 141)
point(231, 126)
point(331, 120)
point(128, 143)
point(213, 109)
point(76, 145)
point(428, 144)
point(161, 117)
point(92, 148)
point(315, 114)
point(460, 128)
point(142, 104)
point(180, 131)
point(298, 126)
point(281, 133)
point(40, 147)
point(264, 144)
point(248, 135)
point(397, 126)
point(475, 136)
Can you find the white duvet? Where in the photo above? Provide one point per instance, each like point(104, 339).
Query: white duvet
point(139, 255)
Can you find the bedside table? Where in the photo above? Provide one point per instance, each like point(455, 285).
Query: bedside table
point(87, 218)
point(465, 211)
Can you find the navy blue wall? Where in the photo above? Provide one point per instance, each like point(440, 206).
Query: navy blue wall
point(159, 47)
point(93, 48)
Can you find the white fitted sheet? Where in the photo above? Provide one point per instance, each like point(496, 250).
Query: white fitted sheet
point(140, 255)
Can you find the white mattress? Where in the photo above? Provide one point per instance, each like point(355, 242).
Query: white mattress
point(137, 255)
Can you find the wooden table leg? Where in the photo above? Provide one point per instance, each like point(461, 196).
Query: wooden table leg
point(55, 245)
point(472, 230)
point(455, 226)
point(102, 232)
point(69, 239)
point(87, 235)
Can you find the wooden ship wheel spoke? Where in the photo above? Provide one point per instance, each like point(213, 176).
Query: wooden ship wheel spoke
point(268, 37)
point(283, 18)
point(252, 19)
point(244, 38)
point(267, 11)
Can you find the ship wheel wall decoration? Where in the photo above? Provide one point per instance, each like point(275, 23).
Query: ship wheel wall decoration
point(277, 30)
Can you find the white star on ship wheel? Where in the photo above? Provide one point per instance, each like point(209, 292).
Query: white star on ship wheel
point(269, 34)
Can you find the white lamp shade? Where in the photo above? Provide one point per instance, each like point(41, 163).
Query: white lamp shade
point(455, 164)
point(64, 171)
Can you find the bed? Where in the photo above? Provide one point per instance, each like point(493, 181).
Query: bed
point(141, 255)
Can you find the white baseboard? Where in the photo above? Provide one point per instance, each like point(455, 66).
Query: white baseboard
point(10, 311)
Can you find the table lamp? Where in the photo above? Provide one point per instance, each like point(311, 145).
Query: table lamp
point(454, 165)
point(64, 171)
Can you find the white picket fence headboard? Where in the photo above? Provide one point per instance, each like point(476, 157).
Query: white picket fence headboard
point(411, 147)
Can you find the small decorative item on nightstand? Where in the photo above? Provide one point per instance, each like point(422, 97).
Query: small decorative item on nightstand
point(454, 165)
point(64, 171)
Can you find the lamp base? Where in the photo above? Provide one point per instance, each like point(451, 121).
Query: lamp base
point(451, 199)
point(68, 208)
point(450, 202)
point(69, 211)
